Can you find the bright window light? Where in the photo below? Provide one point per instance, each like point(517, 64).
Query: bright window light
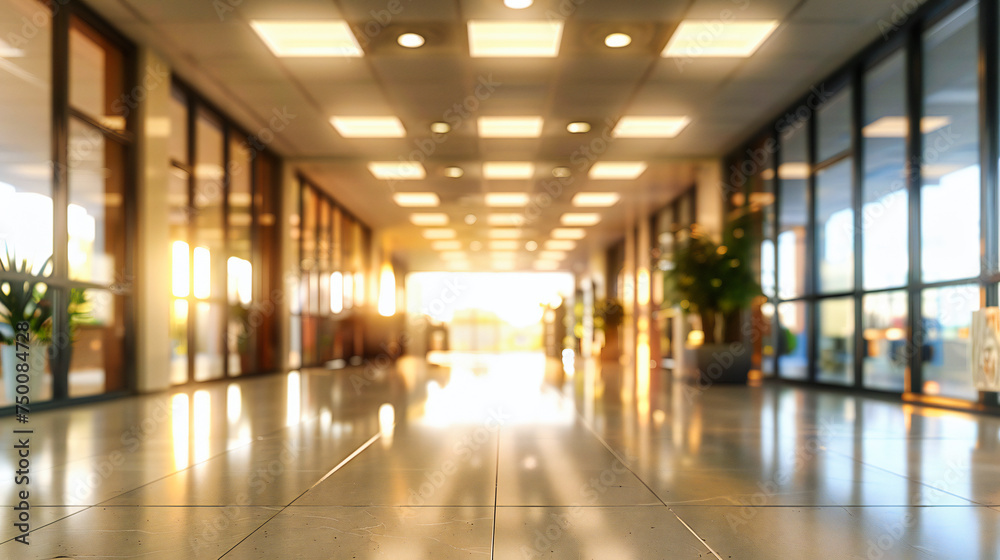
point(368, 127)
point(596, 199)
point(505, 233)
point(507, 199)
point(617, 170)
point(793, 170)
point(569, 233)
point(359, 288)
point(240, 280)
point(649, 127)
point(446, 245)
point(508, 169)
point(439, 233)
point(387, 292)
point(560, 245)
point(552, 255)
point(336, 292)
point(510, 127)
point(546, 265)
point(308, 38)
point(504, 245)
point(515, 38)
point(202, 273)
point(580, 219)
point(429, 219)
point(416, 199)
point(180, 267)
point(897, 127)
point(397, 170)
point(348, 290)
point(505, 219)
point(714, 38)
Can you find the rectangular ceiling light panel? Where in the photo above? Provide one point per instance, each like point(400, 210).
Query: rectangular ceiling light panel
point(331, 38)
point(649, 127)
point(718, 39)
point(368, 127)
point(510, 127)
point(514, 39)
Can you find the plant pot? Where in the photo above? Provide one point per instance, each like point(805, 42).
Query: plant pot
point(37, 354)
point(723, 363)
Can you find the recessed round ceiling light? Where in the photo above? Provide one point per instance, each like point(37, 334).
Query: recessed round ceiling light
point(410, 40)
point(470, 219)
point(578, 127)
point(454, 172)
point(517, 4)
point(531, 245)
point(561, 172)
point(617, 40)
point(440, 127)
point(475, 245)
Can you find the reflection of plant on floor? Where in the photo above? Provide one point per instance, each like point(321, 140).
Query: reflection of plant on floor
point(24, 300)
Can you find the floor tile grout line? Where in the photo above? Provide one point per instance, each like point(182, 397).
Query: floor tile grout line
point(904, 477)
point(621, 460)
point(496, 495)
point(340, 465)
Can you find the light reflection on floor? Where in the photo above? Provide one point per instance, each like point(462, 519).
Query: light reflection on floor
point(509, 456)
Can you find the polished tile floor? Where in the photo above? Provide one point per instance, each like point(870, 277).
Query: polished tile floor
point(487, 458)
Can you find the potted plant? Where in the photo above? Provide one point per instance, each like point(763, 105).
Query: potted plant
point(23, 301)
point(716, 282)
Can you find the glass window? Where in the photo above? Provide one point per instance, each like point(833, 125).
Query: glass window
point(178, 126)
point(835, 228)
point(833, 132)
point(96, 76)
point(835, 345)
point(793, 218)
point(885, 214)
point(25, 131)
point(793, 343)
point(947, 316)
point(96, 206)
point(885, 338)
point(950, 161)
point(97, 355)
point(239, 265)
point(208, 262)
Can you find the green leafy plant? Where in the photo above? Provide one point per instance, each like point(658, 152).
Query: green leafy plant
point(713, 279)
point(24, 299)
